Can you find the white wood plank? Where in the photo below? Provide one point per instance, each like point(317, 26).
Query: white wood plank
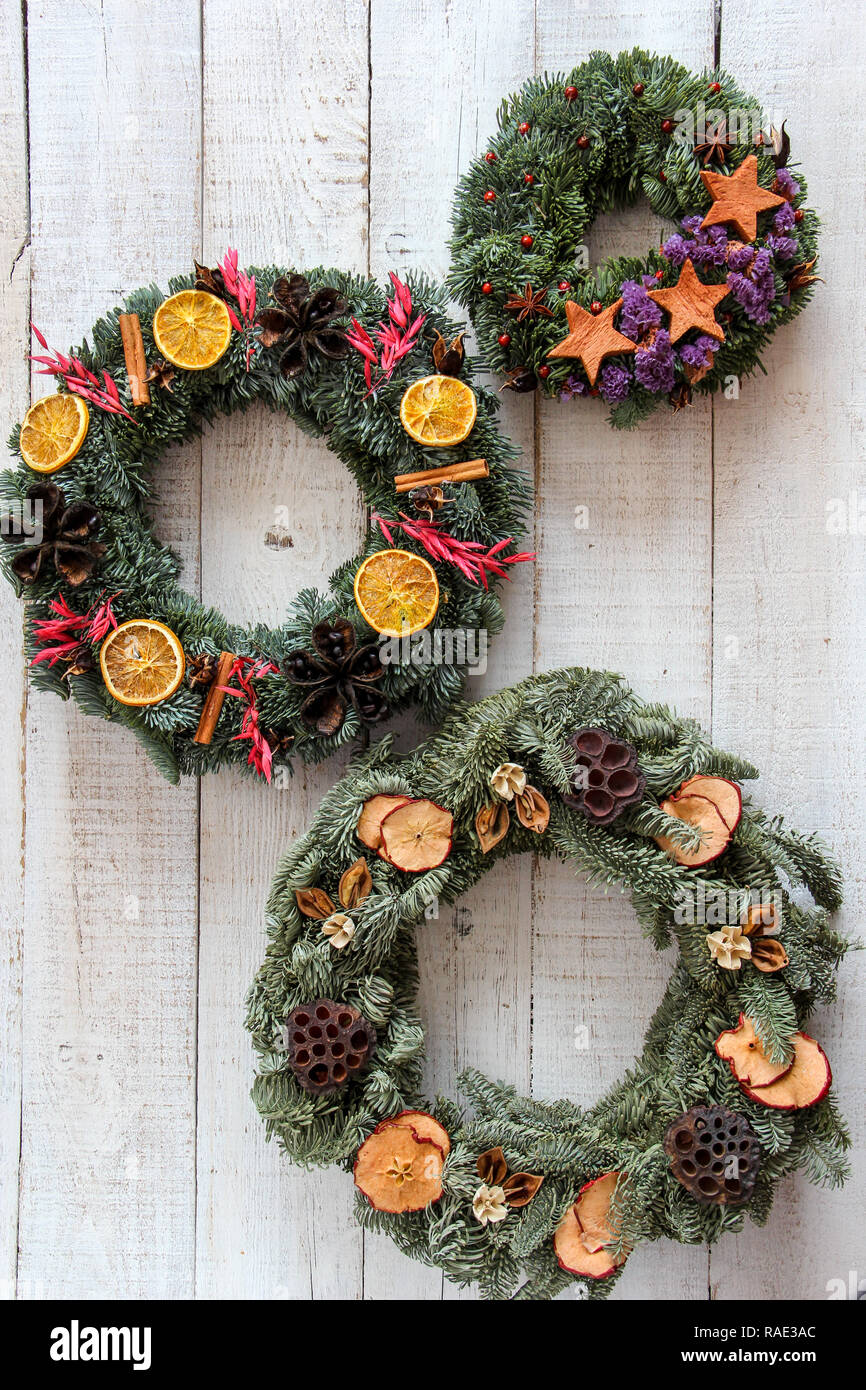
point(14, 399)
point(475, 960)
point(107, 1189)
point(789, 675)
point(630, 593)
point(285, 177)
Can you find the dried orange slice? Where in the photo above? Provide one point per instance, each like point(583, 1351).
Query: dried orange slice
point(53, 431)
point(417, 836)
point(438, 411)
point(192, 329)
point(142, 662)
point(397, 593)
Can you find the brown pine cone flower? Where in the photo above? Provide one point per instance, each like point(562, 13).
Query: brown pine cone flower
point(67, 537)
point(301, 324)
point(338, 673)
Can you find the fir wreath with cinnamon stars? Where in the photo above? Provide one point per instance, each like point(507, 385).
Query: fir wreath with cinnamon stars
point(523, 1196)
point(739, 260)
point(310, 347)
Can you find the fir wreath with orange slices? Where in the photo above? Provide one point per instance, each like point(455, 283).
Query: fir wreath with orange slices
point(729, 1095)
point(383, 377)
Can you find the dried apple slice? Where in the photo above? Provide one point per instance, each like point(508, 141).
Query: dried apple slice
point(806, 1081)
point(724, 794)
point(741, 1048)
point(373, 812)
point(417, 836)
point(592, 1209)
point(397, 1171)
point(571, 1251)
point(424, 1126)
point(585, 1230)
point(696, 810)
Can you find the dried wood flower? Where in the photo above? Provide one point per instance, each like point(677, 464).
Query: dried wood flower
point(489, 1204)
point(340, 929)
point(491, 825)
point(508, 781)
point(729, 947)
point(302, 323)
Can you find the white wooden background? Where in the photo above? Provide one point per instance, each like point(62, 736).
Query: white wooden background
point(136, 135)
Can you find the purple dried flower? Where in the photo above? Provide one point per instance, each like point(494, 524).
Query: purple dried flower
point(782, 247)
point(675, 249)
point(615, 383)
point(639, 312)
point(695, 354)
point(755, 292)
point(571, 387)
point(654, 365)
point(710, 248)
point(786, 184)
point(741, 257)
point(784, 219)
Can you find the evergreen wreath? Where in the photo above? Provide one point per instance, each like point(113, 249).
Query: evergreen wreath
point(694, 314)
point(728, 1096)
point(345, 361)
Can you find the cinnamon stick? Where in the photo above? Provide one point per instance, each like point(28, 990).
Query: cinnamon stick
point(133, 356)
point(213, 704)
point(452, 473)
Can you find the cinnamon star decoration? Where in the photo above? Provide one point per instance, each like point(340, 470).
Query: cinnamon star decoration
point(691, 304)
point(592, 337)
point(738, 198)
point(338, 673)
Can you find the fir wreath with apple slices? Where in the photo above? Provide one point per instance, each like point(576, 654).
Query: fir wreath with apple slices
point(383, 378)
point(729, 1095)
point(693, 315)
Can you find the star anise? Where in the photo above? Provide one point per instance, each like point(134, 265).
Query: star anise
point(201, 670)
point(520, 379)
point(529, 303)
point(715, 144)
point(161, 374)
point(338, 673)
point(66, 536)
point(302, 323)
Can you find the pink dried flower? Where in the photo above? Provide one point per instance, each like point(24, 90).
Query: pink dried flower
point(469, 557)
point(80, 380)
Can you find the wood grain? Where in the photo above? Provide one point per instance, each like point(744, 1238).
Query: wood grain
point(108, 1136)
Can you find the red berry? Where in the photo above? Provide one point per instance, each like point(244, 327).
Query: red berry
point(544, 371)
point(487, 288)
point(667, 127)
point(504, 340)
point(663, 178)
point(570, 93)
point(490, 157)
point(524, 128)
point(638, 89)
point(490, 196)
point(526, 241)
point(660, 275)
point(563, 286)
point(799, 215)
point(583, 142)
point(596, 306)
point(529, 178)
point(715, 87)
